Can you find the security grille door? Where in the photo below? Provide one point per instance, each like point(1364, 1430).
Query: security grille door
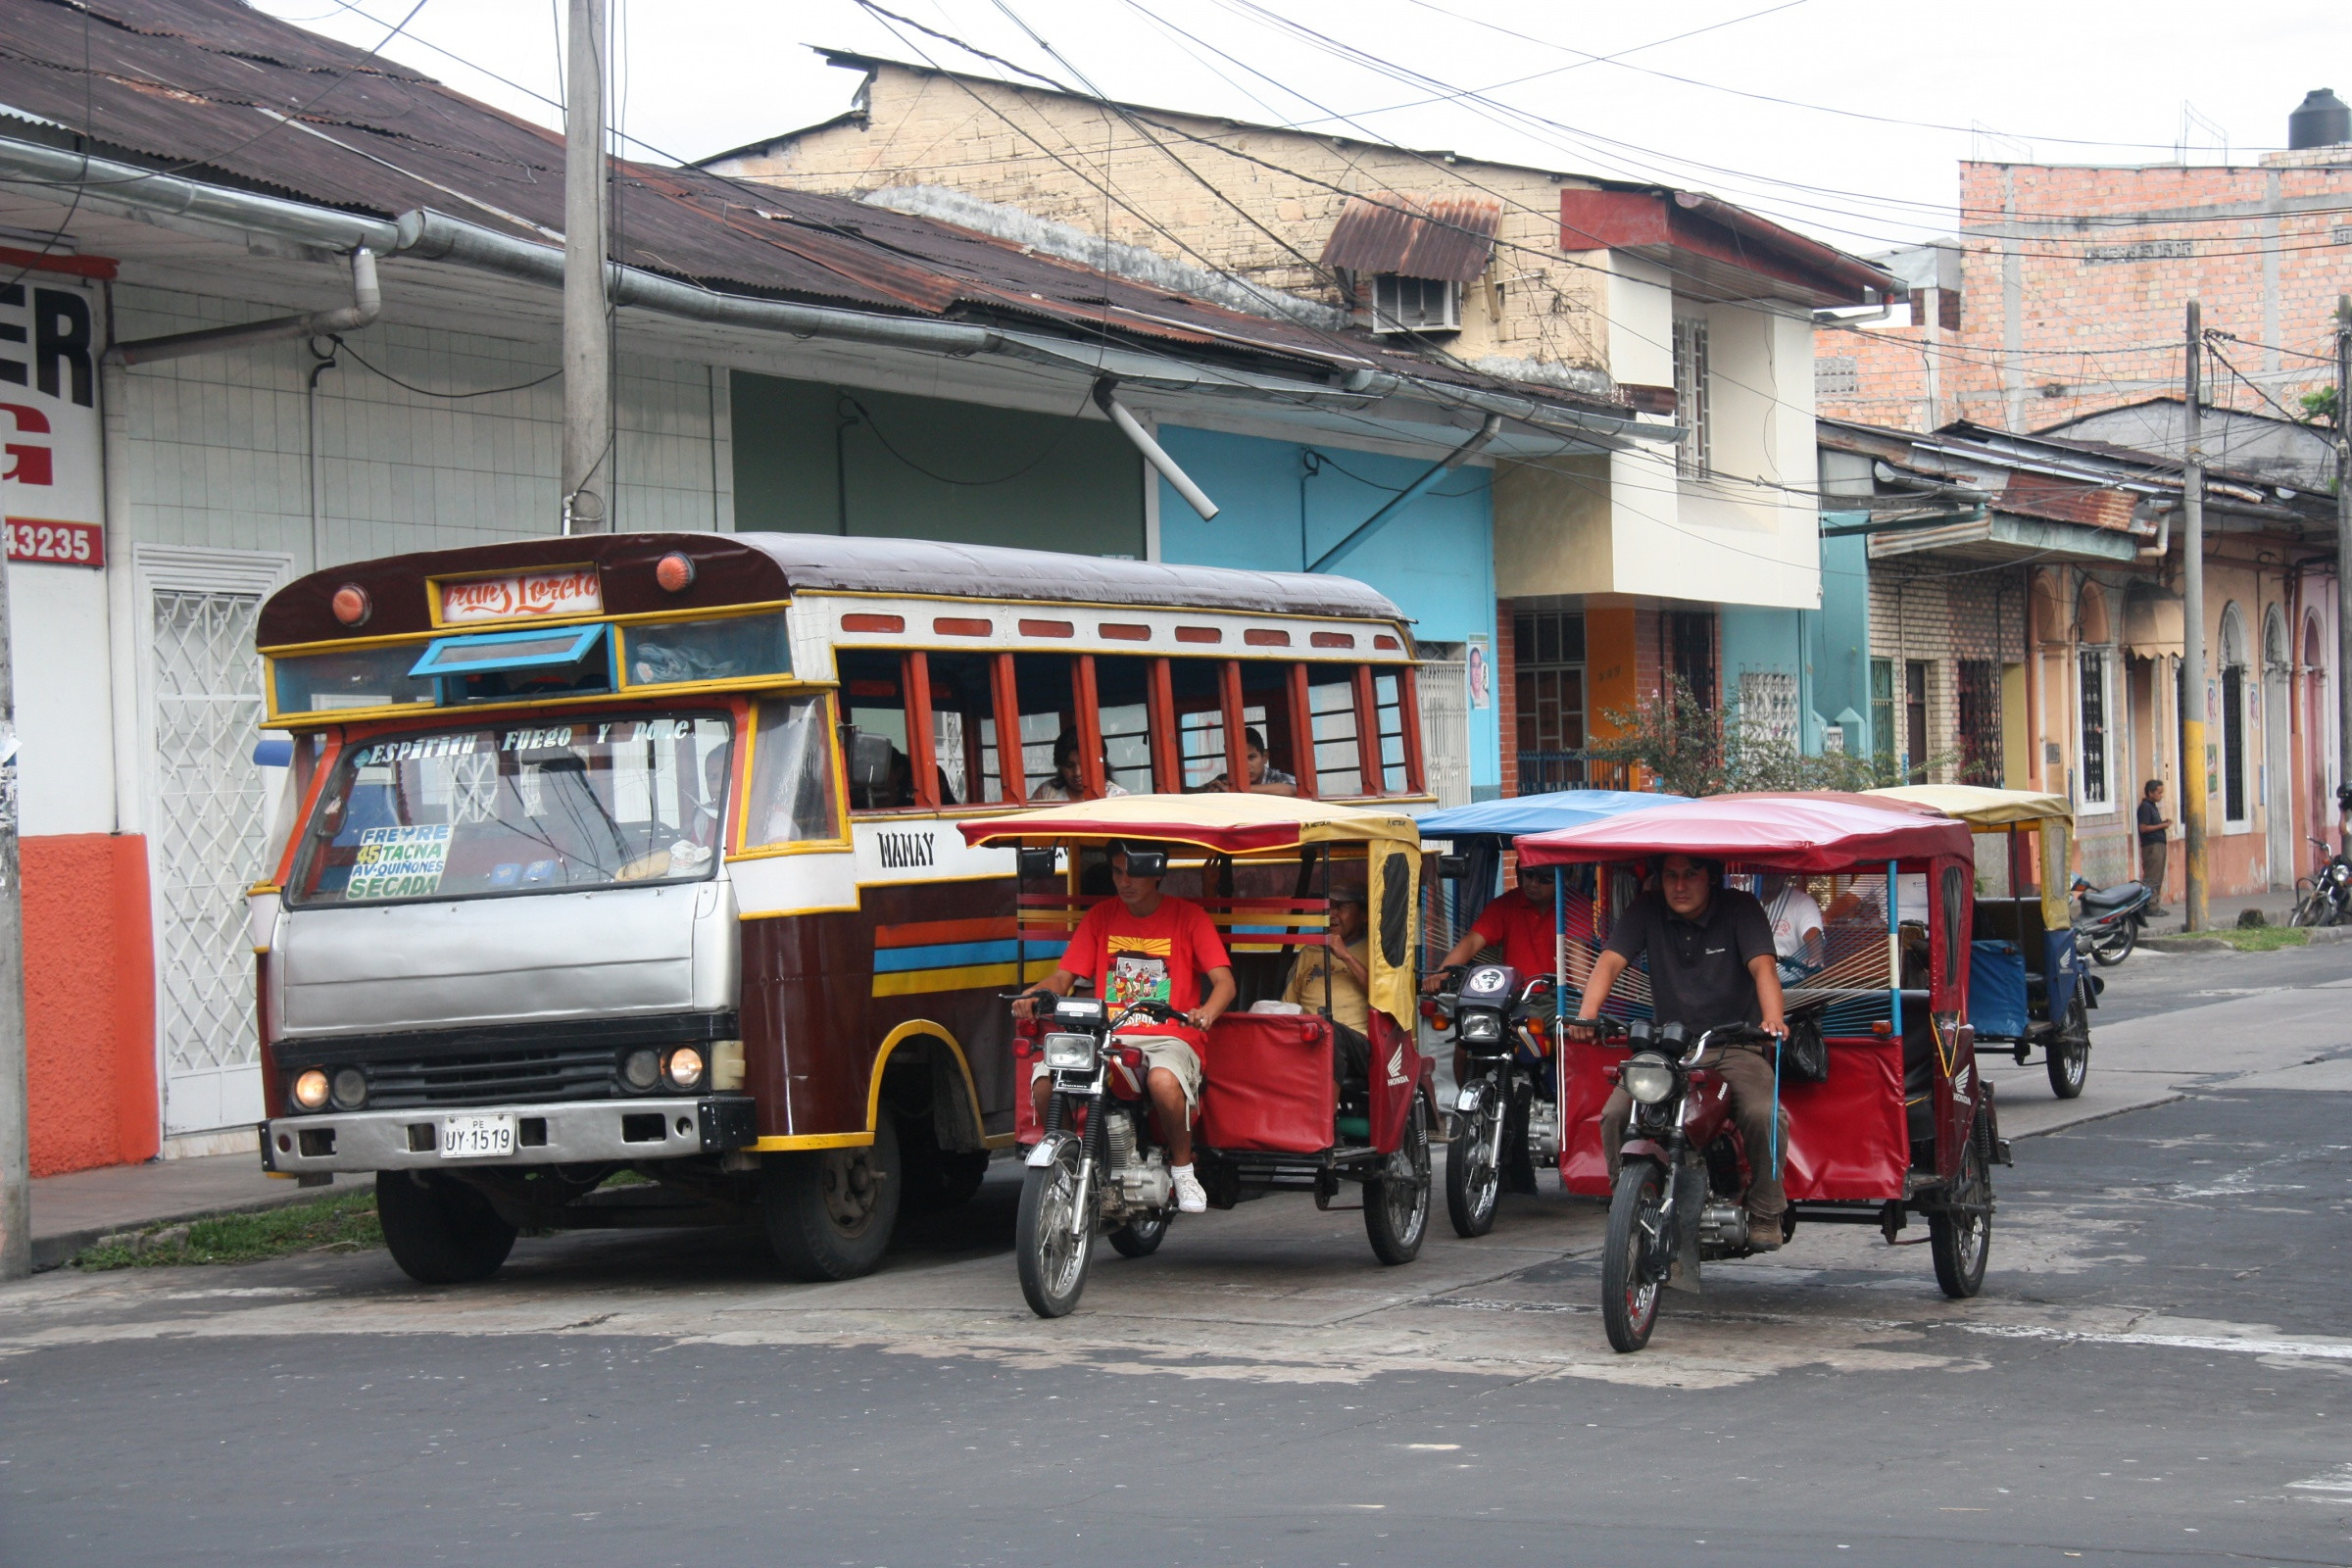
point(208, 833)
point(1444, 688)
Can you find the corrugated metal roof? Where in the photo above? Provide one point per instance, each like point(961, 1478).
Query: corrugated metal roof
point(214, 89)
point(1447, 238)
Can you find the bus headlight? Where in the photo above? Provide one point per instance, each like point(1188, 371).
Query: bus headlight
point(350, 1089)
point(1648, 1077)
point(684, 1067)
point(310, 1090)
point(1070, 1053)
point(641, 1070)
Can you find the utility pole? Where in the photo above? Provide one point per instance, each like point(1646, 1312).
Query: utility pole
point(2343, 565)
point(16, 1150)
point(2192, 628)
point(587, 328)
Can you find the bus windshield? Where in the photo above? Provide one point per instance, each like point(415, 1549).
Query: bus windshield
point(515, 809)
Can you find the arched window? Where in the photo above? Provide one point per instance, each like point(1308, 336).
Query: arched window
point(2232, 756)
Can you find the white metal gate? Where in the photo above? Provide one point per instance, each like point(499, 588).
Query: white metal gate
point(207, 827)
point(1444, 688)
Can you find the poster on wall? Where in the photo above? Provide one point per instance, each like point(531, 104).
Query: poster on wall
point(1478, 662)
point(51, 493)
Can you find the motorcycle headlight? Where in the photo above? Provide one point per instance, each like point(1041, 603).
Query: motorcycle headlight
point(2343, 873)
point(1648, 1078)
point(1481, 1027)
point(1070, 1053)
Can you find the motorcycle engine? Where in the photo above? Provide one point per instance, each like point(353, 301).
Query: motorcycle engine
point(1140, 1178)
point(1722, 1227)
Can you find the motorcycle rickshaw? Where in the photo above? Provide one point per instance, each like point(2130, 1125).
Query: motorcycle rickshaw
point(1887, 1116)
point(1506, 1106)
point(2028, 987)
point(1273, 1114)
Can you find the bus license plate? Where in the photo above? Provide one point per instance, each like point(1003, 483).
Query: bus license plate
point(476, 1137)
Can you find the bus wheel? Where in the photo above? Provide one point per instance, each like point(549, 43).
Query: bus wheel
point(830, 1212)
point(936, 1180)
point(439, 1230)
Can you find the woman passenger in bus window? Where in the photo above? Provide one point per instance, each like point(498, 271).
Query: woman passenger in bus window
point(1264, 777)
point(1067, 784)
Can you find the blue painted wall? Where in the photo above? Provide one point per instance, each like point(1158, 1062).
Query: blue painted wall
point(1838, 643)
point(1282, 505)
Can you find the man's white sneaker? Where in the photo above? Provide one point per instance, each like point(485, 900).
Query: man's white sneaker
point(1191, 1197)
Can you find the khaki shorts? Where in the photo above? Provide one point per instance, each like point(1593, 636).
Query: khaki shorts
point(1162, 1051)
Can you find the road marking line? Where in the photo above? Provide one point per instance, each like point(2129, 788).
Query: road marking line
point(2306, 1350)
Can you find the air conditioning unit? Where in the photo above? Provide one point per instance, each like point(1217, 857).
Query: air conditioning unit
point(1401, 304)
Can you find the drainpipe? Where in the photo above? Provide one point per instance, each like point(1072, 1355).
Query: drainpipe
point(1154, 454)
point(1413, 492)
point(366, 303)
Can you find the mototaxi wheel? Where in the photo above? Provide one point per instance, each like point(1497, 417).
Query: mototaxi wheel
point(1396, 1201)
point(1052, 1244)
point(1473, 1174)
point(439, 1230)
point(2113, 947)
point(1141, 1236)
point(830, 1212)
point(1960, 1228)
point(1629, 1300)
point(2068, 1056)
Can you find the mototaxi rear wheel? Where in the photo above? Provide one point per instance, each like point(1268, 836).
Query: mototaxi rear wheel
point(2068, 1056)
point(1629, 1296)
point(1053, 1243)
point(1960, 1228)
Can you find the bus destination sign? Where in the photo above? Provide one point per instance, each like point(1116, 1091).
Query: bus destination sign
point(524, 596)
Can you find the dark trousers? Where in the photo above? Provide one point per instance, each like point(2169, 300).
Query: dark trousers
point(2152, 855)
point(1750, 1076)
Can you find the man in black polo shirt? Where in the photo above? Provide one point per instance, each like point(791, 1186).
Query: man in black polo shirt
point(1711, 963)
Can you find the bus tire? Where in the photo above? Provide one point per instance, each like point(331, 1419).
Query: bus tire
point(439, 1230)
point(830, 1212)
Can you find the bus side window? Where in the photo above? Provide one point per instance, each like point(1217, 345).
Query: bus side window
point(792, 775)
point(963, 729)
point(1388, 704)
point(1266, 692)
point(873, 697)
point(1122, 699)
point(1044, 690)
point(1331, 708)
point(1197, 689)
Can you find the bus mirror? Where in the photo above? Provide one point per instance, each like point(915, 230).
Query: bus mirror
point(1453, 867)
point(1036, 863)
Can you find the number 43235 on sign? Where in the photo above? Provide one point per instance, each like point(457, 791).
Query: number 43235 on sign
point(56, 544)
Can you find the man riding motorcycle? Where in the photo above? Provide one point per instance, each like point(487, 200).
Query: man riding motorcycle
point(1712, 961)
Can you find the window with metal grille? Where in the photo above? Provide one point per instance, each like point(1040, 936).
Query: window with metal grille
point(1882, 713)
point(2233, 743)
point(2095, 753)
point(1693, 456)
point(1547, 673)
point(1980, 703)
point(1915, 720)
point(1401, 304)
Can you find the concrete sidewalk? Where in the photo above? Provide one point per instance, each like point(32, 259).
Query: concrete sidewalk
point(70, 1212)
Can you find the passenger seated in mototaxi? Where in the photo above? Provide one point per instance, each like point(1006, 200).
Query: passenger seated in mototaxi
point(1335, 980)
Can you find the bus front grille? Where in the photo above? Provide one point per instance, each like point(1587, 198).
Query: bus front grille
point(493, 1077)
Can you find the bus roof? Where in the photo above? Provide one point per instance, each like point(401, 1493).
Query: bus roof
point(742, 569)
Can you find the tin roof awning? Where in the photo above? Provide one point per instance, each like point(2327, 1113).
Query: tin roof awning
point(1717, 249)
point(1448, 239)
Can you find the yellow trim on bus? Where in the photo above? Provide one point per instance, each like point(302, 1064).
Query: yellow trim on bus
point(771, 851)
point(786, 914)
point(345, 645)
point(899, 1036)
point(969, 977)
point(799, 1141)
point(320, 719)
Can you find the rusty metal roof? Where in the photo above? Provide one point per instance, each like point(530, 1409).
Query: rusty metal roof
point(219, 92)
point(1447, 238)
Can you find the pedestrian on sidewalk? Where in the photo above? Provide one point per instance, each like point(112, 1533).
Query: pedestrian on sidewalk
point(2152, 843)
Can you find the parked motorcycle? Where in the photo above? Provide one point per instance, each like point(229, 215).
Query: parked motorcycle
point(2324, 898)
point(2112, 918)
point(1501, 1125)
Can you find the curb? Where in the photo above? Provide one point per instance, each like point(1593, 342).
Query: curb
point(60, 1248)
point(2186, 945)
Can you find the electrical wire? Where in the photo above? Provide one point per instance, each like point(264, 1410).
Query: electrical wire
point(342, 347)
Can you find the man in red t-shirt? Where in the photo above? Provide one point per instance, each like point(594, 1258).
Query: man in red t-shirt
point(1520, 922)
point(1143, 947)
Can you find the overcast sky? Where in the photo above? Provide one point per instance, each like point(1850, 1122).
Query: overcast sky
point(2045, 81)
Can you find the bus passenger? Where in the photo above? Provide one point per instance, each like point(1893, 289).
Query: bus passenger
point(1144, 946)
point(1264, 777)
point(1067, 784)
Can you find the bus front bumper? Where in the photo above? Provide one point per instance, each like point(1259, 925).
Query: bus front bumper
point(568, 1133)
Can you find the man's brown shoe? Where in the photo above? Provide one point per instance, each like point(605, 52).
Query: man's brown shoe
point(1764, 1233)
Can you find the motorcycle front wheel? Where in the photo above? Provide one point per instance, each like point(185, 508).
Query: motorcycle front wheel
point(1473, 1170)
point(2116, 945)
point(1629, 1302)
point(1051, 1242)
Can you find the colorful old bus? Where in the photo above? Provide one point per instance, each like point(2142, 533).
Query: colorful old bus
point(638, 852)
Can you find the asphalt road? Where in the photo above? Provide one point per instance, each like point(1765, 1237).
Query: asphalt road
point(2157, 1370)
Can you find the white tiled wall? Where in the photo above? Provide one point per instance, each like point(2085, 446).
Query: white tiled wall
point(219, 455)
